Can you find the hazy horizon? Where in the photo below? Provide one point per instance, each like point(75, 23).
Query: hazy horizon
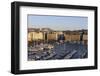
point(58, 22)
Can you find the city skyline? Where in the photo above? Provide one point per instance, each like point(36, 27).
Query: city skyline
point(58, 22)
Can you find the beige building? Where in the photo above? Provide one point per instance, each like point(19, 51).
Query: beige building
point(75, 37)
point(35, 36)
point(52, 36)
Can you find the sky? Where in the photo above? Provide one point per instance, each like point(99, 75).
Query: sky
point(58, 22)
